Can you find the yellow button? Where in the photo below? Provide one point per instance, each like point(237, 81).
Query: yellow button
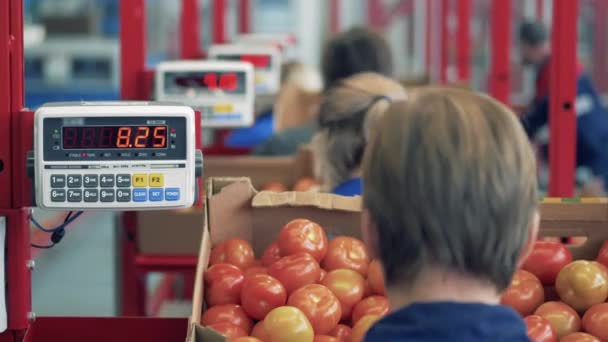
point(140, 180)
point(259, 79)
point(222, 108)
point(157, 179)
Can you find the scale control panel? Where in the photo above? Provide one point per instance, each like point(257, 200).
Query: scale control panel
point(115, 156)
point(223, 91)
point(266, 60)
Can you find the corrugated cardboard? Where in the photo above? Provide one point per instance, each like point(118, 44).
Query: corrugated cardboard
point(236, 209)
point(588, 219)
point(186, 225)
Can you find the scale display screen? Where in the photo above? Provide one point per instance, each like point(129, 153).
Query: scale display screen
point(97, 137)
point(200, 82)
point(260, 62)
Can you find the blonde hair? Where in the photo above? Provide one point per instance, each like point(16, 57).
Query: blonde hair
point(348, 117)
point(450, 182)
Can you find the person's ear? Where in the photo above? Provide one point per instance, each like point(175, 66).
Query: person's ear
point(370, 233)
point(531, 239)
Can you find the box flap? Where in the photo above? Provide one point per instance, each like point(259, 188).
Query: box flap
point(229, 199)
point(303, 199)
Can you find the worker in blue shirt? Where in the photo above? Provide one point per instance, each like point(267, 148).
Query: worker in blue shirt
point(592, 119)
point(347, 117)
point(450, 211)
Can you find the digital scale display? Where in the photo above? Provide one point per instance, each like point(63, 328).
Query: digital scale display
point(178, 83)
point(262, 62)
point(101, 137)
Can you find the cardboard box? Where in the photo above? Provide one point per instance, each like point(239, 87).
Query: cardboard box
point(186, 225)
point(236, 209)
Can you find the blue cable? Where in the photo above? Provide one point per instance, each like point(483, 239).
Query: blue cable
point(59, 227)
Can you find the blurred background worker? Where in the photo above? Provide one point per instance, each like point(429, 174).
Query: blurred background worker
point(348, 117)
point(592, 119)
point(348, 53)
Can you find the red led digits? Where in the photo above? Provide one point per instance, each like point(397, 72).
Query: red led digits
point(105, 138)
point(258, 61)
point(88, 137)
point(69, 137)
point(124, 135)
point(210, 81)
point(141, 140)
point(229, 82)
point(160, 137)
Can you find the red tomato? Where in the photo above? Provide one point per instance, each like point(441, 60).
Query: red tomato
point(525, 293)
point(228, 313)
point(374, 305)
point(246, 339)
point(348, 286)
point(320, 306)
point(602, 255)
point(341, 332)
point(579, 337)
point(360, 329)
point(237, 252)
point(562, 318)
point(259, 331)
point(262, 293)
point(271, 254)
point(223, 284)
point(256, 270)
point(256, 263)
point(539, 329)
point(306, 184)
point(595, 321)
point(582, 284)
point(228, 330)
point(287, 323)
point(295, 271)
point(274, 187)
point(347, 252)
point(322, 275)
point(546, 260)
point(325, 338)
point(301, 235)
point(375, 277)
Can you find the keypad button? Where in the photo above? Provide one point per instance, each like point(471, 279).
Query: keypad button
point(157, 179)
point(156, 195)
point(140, 180)
point(58, 195)
point(91, 195)
point(106, 195)
point(74, 195)
point(90, 181)
point(140, 195)
point(123, 195)
point(74, 181)
point(123, 181)
point(57, 181)
point(106, 181)
point(172, 194)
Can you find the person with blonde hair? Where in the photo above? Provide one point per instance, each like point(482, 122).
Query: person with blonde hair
point(450, 210)
point(348, 117)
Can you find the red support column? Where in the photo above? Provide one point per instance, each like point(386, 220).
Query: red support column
point(500, 45)
point(562, 113)
point(540, 6)
point(600, 45)
point(464, 40)
point(6, 46)
point(244, 16)
point(219, 21)
point(189, 29)
point(334, 16)
point(375, 14)
point(428, 34)
point(132, 48)
point(445, 41)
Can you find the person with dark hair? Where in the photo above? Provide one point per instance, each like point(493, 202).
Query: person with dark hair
point(450, 211)
point(345, 54)
point(592, 119)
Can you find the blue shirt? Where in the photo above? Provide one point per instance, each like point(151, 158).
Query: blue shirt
point(250, 137)
point(448, 321)
point(352, 187)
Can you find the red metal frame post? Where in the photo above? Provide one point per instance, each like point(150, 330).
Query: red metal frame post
point(562, 111)
point(500, 45)
point(540, 7)
point(244, 16)
point(445, 41)
point(464, 40)
point(189, 29)
point(219, 21)
point(334, 16)
point(600, 45)
point(132, 48)
point(375, 14)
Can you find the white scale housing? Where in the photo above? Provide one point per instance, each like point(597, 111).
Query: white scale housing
point(185, 82)
point(267, 76)
point(286, 41)
point(112, 174)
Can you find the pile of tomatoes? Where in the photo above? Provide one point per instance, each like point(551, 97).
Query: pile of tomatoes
point(304, 287)
point(562, 300)
point(303, 184)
